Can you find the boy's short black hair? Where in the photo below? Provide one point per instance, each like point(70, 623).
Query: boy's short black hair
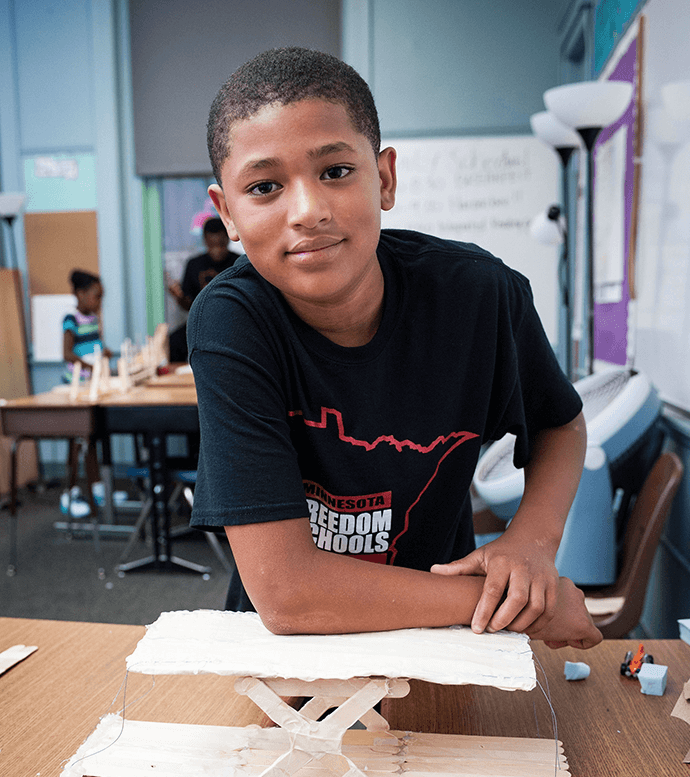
point(287, 75)
point(214, 225)
point(80, 279)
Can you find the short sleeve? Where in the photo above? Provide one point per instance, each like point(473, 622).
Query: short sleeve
point(69, 323)
point(248, 470)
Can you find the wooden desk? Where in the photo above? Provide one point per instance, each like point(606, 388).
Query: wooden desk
point(152, 410)
point(607, 726)
point(52, 701)
point(52, 415)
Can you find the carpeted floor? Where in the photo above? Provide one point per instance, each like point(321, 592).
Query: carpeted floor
point(63, 577)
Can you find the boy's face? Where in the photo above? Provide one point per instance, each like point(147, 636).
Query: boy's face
point(216, 245)
point(303, 191)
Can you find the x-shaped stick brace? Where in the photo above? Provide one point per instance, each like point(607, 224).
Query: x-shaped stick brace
point(310, 739)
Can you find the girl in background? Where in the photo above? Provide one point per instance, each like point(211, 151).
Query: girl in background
point(82, 343)
point(82, 328)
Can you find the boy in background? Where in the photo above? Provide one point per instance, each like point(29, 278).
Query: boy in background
point(199, 270)
point(347, 378)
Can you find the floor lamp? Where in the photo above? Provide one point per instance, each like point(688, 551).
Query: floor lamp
point(588, 107)
point(564, 141)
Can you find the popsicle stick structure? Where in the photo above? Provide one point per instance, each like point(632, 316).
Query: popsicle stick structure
point(347, 673)
point(135, 366)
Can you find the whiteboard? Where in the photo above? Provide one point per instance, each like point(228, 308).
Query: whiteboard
point(483, 190)
point(661, 321)
point(47, 313)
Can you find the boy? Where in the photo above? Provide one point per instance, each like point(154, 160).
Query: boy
point(199, 270)
point(365, 369)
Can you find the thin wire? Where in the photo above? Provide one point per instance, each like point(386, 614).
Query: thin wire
point(554, 720)
point(123, 688)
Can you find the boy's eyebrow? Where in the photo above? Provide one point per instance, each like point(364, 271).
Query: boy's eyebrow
point(317, 153)
point(331, 148)
point(260, 164)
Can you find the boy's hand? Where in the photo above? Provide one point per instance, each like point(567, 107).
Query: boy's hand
point(175, 288)
point(530, 577)
point(571, 624)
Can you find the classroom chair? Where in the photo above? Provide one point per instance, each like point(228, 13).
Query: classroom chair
point(183, 482)
point(616, 609)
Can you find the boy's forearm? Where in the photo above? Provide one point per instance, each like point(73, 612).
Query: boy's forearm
point(307, 590)
point(551, 480)
point(299, 589)
point(381, 598)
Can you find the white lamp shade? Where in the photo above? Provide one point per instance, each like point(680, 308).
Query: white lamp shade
point(676, 99)
point(11, 204)
point(545, 230)
point(553, 132)
point(589, 103)
point(663, 131)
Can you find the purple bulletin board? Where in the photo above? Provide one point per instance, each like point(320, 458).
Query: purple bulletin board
point(611, 319)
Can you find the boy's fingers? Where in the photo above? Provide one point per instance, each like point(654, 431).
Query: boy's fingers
point(541, 606)
point(525, 616)
point(469, 565)
point(492, 592)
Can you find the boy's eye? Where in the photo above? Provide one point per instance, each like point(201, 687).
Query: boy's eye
point(265, 187)
point(336, 172)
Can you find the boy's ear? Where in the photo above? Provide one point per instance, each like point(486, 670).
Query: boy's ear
point(388, 177)
point(218, 199)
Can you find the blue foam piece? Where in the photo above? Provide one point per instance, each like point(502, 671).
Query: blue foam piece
point(652, 679)
point(576, 671)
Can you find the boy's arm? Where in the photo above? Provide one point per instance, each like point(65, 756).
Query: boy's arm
point(522, 559)
point(298, 588)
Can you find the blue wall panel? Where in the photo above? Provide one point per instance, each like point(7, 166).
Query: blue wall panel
point(54, 70)
point(460, 66)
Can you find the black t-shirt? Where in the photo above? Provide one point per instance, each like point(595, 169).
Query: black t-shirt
point(201, 269)
point(376, 444)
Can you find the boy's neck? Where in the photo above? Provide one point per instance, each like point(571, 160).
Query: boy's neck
point(350, 324)
point(352, 334)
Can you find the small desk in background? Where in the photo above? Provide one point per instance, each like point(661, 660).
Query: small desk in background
point(154, 412)
point(49, 415)
point(166, 406)
point(52, 701)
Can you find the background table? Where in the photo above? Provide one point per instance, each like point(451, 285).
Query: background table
point(155, 411)
point(52, 701)
point(49, 415)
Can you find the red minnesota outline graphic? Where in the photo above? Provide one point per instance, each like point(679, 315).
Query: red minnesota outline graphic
point(458, 437)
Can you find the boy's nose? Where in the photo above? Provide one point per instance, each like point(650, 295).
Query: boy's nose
point(307, 206)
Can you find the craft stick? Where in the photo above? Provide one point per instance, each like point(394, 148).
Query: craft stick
point(74, 385)
point(123, 374)
point(288, 763)
point(397, 688)
point(105, 374)
point(96, 376)
point(13, 655)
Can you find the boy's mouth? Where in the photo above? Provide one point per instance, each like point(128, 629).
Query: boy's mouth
point(308, 248)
